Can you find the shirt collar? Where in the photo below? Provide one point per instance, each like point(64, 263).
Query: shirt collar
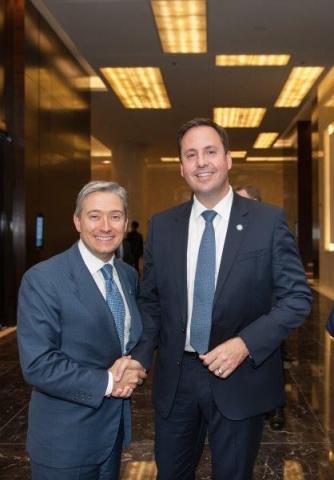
point(93, 263)
point(223, 208)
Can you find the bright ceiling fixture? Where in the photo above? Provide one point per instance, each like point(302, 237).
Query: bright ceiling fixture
point(235, 117)
point(251, 60)
point(181, 25)
point(99, 149)
point(299, 83)
point(170, 159)
point(265, 139)
point(238, 153)
point(92, 83)
point(285, 142)
point(138, 87)
point(271, 159)
point(330, 102)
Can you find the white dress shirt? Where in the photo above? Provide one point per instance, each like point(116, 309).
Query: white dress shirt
point(195, 232)
point(94, 266)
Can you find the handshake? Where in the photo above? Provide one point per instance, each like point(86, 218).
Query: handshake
point(127, 375)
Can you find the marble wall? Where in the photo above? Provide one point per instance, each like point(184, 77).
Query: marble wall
point(325, 158)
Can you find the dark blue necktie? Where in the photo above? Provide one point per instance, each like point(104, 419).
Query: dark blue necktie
point(116, 304)
point(204, 287)
point(115, 301)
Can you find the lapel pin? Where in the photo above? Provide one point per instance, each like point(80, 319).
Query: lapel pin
point(239, 227)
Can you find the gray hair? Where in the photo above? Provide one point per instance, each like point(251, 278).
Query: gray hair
point(101, 186)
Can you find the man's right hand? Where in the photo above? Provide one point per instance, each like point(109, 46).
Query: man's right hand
point(127, 375)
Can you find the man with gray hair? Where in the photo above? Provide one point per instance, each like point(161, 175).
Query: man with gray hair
point(77, 323)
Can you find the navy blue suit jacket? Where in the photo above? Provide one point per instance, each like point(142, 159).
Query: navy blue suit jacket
point(67, 341)
point(259, 262)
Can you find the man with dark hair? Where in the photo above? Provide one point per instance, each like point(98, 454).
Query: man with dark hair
point(136, 244)
point(249, 191)
point(211, 268)
point(77, 323)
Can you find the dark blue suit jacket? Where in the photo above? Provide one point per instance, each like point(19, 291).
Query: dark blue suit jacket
point(67, 341)
point(259, 262)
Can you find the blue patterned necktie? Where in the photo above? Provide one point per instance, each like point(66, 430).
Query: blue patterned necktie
point(204, 287)
point(115, 301)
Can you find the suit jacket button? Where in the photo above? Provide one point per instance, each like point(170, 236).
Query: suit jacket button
point(183, 330)
point(178, 363)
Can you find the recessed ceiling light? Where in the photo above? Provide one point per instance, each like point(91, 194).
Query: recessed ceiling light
point(138, 87)
point(299, 83)
point(251, 60)
point(235, 117)
point(181, 25)
point(265, 139)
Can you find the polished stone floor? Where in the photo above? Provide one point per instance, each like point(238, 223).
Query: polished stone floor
point(303, 450)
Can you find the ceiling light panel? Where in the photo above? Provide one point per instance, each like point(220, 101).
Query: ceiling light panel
point(93, 83)
point(169, 159)
point(271, 159)
point(235, 117)
point(98, 149)
point(265, 139)
point(238, 153)
point(299, 83)
point(285, 142)
point(251, 60)
point(181, 25)
point(138, 87)
point(330, 102)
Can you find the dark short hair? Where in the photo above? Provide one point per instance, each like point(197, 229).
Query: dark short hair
point(199, 122)
point(252, 191)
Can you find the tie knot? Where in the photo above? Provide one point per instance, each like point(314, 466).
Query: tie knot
point(107, 271)
point(209, 215)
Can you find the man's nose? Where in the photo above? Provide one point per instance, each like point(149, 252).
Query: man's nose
point(106, 224)
point(202, 160)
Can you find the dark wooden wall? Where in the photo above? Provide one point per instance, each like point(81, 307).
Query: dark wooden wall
point(48, 159)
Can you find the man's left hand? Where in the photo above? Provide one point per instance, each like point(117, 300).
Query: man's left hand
point(226, 357)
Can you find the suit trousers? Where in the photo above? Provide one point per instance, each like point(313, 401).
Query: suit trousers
point(180, 437)
point(108, 470)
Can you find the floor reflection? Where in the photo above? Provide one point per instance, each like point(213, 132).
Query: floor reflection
point(302, 450)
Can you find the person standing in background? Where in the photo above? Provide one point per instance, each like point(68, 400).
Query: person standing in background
point(135, 240)
point(249, 191)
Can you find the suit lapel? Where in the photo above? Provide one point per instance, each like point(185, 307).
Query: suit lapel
point(180, 244)
point(237, 227)
point(87, 290)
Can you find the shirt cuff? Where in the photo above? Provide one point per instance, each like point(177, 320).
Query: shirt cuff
point(110, 385)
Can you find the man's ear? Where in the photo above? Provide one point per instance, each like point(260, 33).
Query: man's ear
point(229, 160)
point(76, 221)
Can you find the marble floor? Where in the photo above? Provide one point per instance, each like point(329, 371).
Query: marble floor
point(304, 449)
